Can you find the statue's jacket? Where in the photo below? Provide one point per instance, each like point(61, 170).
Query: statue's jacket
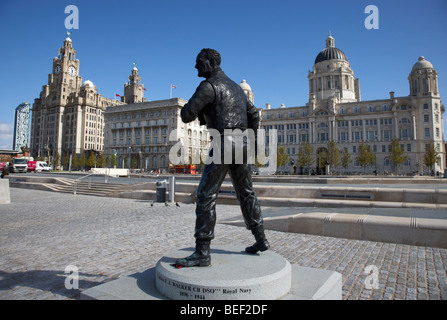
point(221, 104)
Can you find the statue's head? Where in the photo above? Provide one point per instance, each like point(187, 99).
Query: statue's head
point(207, 61)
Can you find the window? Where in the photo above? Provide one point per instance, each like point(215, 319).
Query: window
point(404, 133)
point(409, 147)
point(385, 107)
point(437, 132)
point(343, 136)
point(427, 132)
point(370, 135)
point(426, 106)
point(426, 118)
point(370, 109)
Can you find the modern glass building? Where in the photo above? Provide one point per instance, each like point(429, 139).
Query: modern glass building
point(21, 126)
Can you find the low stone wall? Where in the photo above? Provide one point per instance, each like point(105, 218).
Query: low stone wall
point(5, 196)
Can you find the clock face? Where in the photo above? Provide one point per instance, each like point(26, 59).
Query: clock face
point(72, 71)
point(57, 69)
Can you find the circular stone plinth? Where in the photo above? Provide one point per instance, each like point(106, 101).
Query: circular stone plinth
point(233, 275)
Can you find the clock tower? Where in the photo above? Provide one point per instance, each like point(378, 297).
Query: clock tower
point(133, 89)
point(65, 76)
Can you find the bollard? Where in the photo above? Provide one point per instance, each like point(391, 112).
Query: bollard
point(171, 189)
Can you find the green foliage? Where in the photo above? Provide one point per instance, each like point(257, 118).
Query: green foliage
point(397, 157)
point(305, 155)
point(282, 158)
point(365, 156)
point(345, 158)
point(430, 155)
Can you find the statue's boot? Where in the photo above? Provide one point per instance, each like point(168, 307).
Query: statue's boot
point(200, 258)
point(261, 242)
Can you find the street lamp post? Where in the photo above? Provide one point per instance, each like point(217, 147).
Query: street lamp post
point(128, 161)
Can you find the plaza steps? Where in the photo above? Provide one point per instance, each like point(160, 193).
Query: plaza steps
point(86, 188)
point(66, 185)
point(287, 195)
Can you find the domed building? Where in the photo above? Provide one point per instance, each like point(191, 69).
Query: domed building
point(335, 112)
point(247, 90)
point(332, 75)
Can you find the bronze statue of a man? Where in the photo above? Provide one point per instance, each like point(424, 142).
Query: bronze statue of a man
point(221, 104)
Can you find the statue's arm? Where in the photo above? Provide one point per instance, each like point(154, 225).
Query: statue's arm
point(203, 96)
point(253, 117)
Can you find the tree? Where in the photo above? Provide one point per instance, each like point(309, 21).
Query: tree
point(322, 158)
point(101, 161)
point(365, 156)
point(56, 160)
point(66, 160)
point(282, 158)
point(113, 161)
point(74, 161)
point(134, 162)
point(397, 157)
point(345, 158)
point(430, 156)
point(305, 155)
point(333, 156)
point(82, 161)
point(91, 160)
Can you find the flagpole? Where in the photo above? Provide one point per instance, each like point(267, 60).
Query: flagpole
point(170, 95)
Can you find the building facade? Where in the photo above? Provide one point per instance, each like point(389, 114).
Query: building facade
point(21, 126)
point(336, 112)
point(68, 117)
point(146, 132)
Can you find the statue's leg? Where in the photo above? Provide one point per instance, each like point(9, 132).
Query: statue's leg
point(251, 210)
point(212, 178)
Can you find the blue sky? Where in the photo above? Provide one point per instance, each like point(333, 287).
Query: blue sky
point(271, 44)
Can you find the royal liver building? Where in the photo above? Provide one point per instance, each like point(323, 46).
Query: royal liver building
point(336, 112)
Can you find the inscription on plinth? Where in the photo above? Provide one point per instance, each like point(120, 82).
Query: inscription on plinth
point(233, 275)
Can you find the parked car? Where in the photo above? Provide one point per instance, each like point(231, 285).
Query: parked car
point(42, 166)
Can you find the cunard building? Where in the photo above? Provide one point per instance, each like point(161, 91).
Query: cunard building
point(336, 112)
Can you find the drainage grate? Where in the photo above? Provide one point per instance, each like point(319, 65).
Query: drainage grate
point(346, 196)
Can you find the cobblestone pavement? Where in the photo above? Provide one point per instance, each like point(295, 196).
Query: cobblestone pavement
point(41, 233)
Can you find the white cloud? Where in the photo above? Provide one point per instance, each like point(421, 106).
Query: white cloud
point(6, 135)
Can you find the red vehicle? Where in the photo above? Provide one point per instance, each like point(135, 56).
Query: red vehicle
point(188, 169)
point(3, 165)
point(32, 166)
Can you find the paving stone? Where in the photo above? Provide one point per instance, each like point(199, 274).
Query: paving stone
point(106, 238)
